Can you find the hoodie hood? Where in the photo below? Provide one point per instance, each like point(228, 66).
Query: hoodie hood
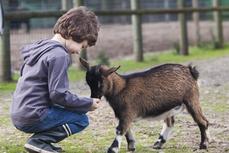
point(31, 53)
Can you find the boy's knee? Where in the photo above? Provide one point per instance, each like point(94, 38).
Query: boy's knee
point(79, 125)
point(84, 121)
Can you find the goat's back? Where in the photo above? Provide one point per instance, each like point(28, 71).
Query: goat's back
point(161, 88)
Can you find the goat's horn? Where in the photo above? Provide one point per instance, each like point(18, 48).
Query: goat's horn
point(111, 70)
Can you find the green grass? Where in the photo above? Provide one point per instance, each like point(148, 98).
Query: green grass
point(7, 86)
point(171, 57)
point(216, 100)
point(11, 147)
point(150, 60)
point(75, 74)
point(220, 107)
point(89, 142)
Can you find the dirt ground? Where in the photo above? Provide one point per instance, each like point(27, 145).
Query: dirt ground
point(214, 97)
point(116, 40)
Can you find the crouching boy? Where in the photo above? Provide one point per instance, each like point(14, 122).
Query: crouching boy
point(42, 103)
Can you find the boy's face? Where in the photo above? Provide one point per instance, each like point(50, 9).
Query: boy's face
point(74, 47)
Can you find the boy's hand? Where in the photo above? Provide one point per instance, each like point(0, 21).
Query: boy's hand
point(95, 104)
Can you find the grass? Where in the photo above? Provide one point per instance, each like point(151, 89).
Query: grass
point(171, 57)
point(96, 139)
point(9, 86)
point(217, 99)
point(150, 60)
point(220, 107)
point(159, 58)
point(75, 74)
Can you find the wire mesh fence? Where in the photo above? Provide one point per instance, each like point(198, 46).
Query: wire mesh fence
point(160, 32)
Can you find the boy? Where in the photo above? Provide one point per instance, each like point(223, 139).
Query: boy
point(42, 103)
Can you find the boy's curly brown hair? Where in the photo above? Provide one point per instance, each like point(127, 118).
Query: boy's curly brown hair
point(78, 24)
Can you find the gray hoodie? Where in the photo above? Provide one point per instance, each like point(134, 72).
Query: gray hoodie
point(44, 83)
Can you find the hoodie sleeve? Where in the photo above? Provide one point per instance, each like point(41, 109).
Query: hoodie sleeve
point(59, 87)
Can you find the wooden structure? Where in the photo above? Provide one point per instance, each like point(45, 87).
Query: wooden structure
point(136, 11)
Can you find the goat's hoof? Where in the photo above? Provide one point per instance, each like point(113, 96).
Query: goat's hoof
point(131, 147)
point(157, 145)
point(112, 150)
point(204, 145)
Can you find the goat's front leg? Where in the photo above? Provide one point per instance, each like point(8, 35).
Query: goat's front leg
point(120, 131)
point(165, 132)
point(130, 140)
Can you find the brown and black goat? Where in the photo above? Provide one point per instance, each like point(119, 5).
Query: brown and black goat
point(160, 92)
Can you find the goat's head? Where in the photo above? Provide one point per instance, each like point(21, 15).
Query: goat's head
point(97, 78)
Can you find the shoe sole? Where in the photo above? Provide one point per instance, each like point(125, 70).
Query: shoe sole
point(33, 149)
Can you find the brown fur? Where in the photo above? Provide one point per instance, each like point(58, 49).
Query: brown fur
point(150, 93)
point(154, 93)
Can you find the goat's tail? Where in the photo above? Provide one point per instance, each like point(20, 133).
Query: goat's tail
point(194, 72)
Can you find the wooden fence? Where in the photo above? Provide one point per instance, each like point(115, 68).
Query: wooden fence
point(135, 12)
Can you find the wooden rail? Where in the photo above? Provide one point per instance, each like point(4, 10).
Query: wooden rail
point(38, 14)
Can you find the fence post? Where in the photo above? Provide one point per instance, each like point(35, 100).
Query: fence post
point(137, 32)
point(64, 4)
point(196, 20)
point(183, 30)
point(5, 70)
point(78, 3)
point(1, 40)
point(218, 32)
point(166, 6)
point(105, 6)
point(83, 53)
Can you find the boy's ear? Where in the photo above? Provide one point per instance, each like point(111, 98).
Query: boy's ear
point(84, 63)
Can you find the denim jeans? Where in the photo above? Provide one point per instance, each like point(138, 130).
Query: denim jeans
point(58, 116)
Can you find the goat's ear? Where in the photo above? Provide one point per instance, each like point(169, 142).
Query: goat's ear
point(110, 71)
point(84, 63)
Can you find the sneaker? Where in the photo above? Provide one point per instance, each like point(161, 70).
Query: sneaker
point(34, 149)
point(56, 147)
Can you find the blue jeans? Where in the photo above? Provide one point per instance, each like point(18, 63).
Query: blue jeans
point(57, 116)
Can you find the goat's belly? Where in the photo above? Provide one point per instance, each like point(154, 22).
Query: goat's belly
point(174, 111)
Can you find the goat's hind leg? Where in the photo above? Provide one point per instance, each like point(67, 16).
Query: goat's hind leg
point(165, 132)
point(195, 110)
point(130, 140)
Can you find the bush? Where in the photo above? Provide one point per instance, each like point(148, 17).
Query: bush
point(102, 58)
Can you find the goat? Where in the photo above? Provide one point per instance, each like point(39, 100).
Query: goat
point(160, 92)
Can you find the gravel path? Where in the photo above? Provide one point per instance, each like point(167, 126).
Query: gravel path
point(214, 72)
